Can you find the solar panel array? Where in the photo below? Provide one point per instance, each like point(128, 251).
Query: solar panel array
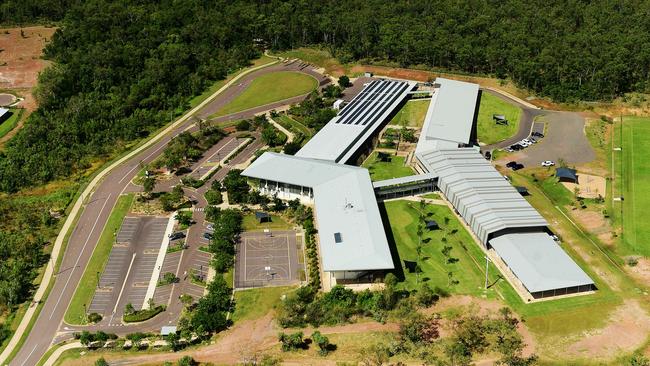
point(368, 106)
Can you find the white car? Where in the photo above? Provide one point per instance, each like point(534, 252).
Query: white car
point(548, 163)
point(524, 143)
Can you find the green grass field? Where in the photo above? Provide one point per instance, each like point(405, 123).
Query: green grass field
point(380, 170)
point(264, 60)
point(296, 126)
point(635, 172)
point(403, 218)
point(269, 88)
point(250, 223)
point(412, 113)
point(488, 131)
point(83, 295)
point(255, 303)
point(10, 122)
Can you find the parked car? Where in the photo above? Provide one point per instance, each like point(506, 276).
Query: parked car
point(511, 164)
point(488, 155)
point(210, 227)
point(516, 147)
point(518, 166)
point(176, 235)
point(555, 237)
point(524, 143)
point(207, 235)
point(509, 149)
point(538, 134)
point(548, 163)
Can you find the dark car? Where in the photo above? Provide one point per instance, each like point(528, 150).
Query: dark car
point(511, 164)
point(538, 134)
point(176, 235)
point(207, 236)
point(488, 155)
point(516, 147)
point(518, 166)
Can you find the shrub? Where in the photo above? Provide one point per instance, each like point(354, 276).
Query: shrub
point(94, 318)
point(142, 315)
point(322, 342)
point(213, 197)
point(291, 342)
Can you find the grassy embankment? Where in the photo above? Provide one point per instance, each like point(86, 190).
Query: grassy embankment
point(269, 88)
point(86, 289)
point(489, 132)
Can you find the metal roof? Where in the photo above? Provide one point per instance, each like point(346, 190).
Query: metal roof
point(566, 173)
point(450, 115)
point(342, 136)
point(345, 208)
point(3, 111)
point(403, 180)
point(481, 195)
point(539, 262)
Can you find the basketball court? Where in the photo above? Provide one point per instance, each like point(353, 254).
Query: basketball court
point(268, 259)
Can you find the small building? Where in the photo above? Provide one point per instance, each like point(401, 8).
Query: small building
point(338, 104)
point(566, 175)
point(368, 74)
point(262, 217)
point(500, 119)
point(431, 225)
point(168, 329)
point(4, 114)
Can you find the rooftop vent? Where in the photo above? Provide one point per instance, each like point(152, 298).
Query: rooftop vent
point(337, 238)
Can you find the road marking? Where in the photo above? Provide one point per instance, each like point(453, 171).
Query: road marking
point(137, 165)
point(123, 284)
point(29, 355)
point(76, 263)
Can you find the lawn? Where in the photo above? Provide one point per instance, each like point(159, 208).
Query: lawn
point(380, 170)
point(83, 295)
point(403, 218)
point(635, 172)
point(255, 303)
point(412, 113)
point(10, 122)
point(251, 223)
point(294, 126)
point(488, 131)
point(269, 88)
point(264, 60)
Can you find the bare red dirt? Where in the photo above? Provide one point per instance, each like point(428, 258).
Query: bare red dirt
point(20, 58)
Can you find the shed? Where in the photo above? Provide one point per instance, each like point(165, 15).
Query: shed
point(262, 217)
point(168, 329)
point(522, 190)
point(432, 225)
point(566, 175)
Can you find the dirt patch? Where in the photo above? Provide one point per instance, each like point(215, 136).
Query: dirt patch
point(626, 330)
point(21, 60)
point(641, 271)
point(589, 186)
point(595, 223)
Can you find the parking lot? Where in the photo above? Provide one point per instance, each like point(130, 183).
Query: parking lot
point(215, 154)
point(130, 266)
point(267, 259)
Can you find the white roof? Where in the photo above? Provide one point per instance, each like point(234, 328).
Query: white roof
point(3, 111)
point(539, 262)
point(481, 195)
point(450, 116)
point(342, 136)
point(345, 205)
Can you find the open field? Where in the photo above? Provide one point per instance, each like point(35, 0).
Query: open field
point(294, 125)
point(269, 88)
point(250, 223)
point(255, 303)
point(319, 58)
point(380, 170)
point(218, 84)
point(86, 288)
point(412, 113)
point(10, 122)
point(488, 131)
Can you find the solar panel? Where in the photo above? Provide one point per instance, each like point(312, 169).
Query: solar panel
point(378, 96)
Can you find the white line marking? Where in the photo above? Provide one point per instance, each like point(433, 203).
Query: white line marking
point(138, 165)
point(123, 284)
point(79, 257)
point(29, 355)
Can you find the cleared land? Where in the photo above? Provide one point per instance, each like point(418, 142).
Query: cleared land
point(488, 131)
point(255, 303)
point(269, 88)
point(84, 293)
point(317, 57)
point(412, 113)
point(380, 170)
point(635, 170)
point(10, 122)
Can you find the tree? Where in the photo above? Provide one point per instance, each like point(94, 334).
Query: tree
point(173, 341)
point(236, 186)
point(425, 296)
point(344, 82)
point(129, 309)
point(291, 342)
point(291, 148)
point(101, 362)
point(186, 361)
point(322, 342)
point(136, 339)
point(149, 184)
point(86, 338)
point(243, 125)
point(213, 197)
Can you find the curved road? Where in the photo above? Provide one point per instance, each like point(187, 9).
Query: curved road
point(92, 220)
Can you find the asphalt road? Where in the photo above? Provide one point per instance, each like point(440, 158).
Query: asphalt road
point(49, 326)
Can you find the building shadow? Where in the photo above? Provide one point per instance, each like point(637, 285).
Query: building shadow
point(392, 245)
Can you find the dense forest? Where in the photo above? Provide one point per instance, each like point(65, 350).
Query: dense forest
point(122, 68)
